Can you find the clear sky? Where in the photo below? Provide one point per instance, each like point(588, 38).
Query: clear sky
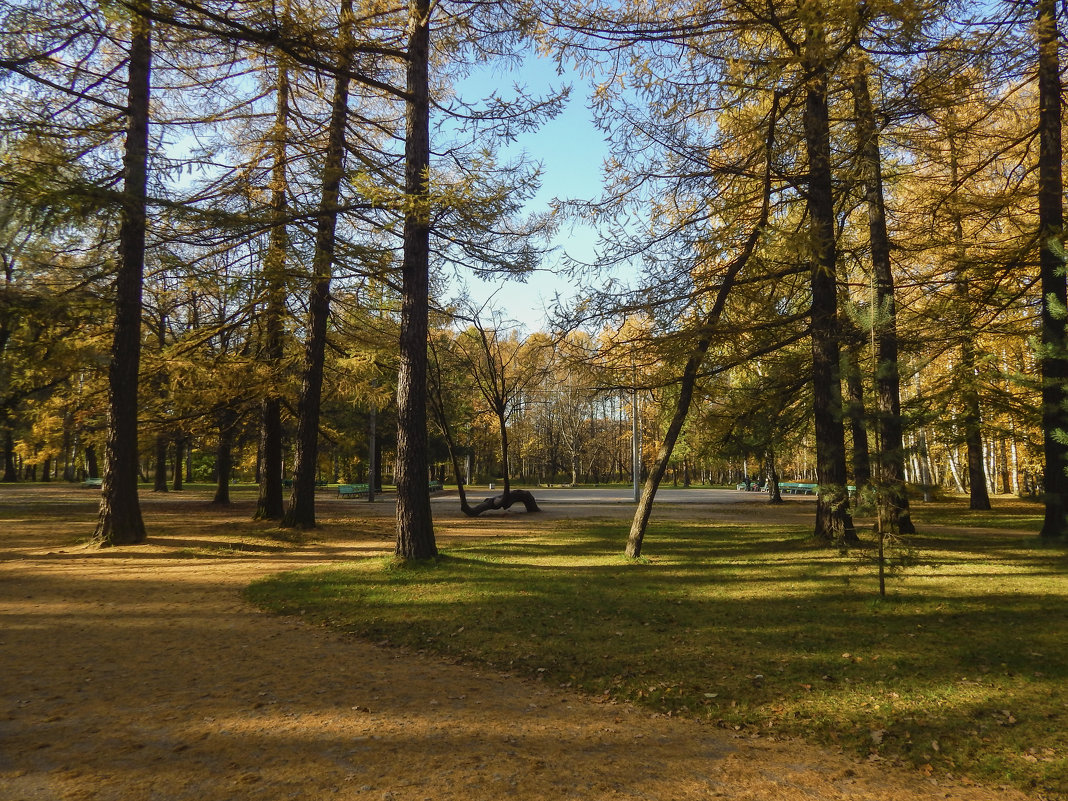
point(571, 151)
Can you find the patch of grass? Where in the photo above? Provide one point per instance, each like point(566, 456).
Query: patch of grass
point(959, 670)
point(1007, 513)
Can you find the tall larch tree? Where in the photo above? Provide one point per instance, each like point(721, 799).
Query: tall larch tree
point(120, 521)
point(301, 511)
point(833, 519)
point(891, 453)
point(1051, 268)
point(415, 525)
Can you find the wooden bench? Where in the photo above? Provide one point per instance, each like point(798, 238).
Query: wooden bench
point(93, 483)
point(436, 486)
point(351, 490)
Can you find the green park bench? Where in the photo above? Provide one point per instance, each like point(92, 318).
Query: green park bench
point(93, 483)
point(795, 488)
point(351, 490)
point(436, 486)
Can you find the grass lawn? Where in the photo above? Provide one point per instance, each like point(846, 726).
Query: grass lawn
point(960, 670)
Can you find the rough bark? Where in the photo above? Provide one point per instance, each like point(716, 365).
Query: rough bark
point(301, 512)
point(270, 504)
point(891, 456)
point(120, 521)
point(415, 525)
point(1054, 293)
point(834, 523)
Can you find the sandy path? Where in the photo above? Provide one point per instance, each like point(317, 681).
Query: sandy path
point(139, 673)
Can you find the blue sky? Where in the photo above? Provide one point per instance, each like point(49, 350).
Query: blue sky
point(571, 151)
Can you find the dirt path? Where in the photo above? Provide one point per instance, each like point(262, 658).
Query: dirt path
point(140, 674)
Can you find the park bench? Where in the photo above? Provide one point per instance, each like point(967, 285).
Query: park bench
point(351, 490)
point(436, 486)
point(795, 488)
point(93, 483)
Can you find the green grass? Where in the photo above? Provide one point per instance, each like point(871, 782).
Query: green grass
point(961, 670)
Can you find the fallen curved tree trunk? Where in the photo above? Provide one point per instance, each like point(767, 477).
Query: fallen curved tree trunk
point(503, 501)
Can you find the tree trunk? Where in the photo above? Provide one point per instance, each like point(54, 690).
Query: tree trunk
point(270, 504)
point(90, 462)
point(301, 512)
point(774, 495)
point(224, 463)
point(179, 450)
point(415, 526)
point(1051, 266)
point(891, 457)
point(11, 474)
point(160, 483)
point(640, 521)
point(120, 521)
point(858, 423)
point(502, 424)
point(372, 456)
point(971, 421)
point(833, 520)
point(969, 418)
point(503, 501)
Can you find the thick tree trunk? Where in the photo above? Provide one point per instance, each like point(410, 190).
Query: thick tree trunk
point(270, 504)
point(1051, 267)
point(415, 526)
point(833, 520)
point(301, 512)
point(891, 456)
point(120, 521)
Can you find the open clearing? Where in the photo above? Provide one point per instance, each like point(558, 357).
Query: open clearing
point(140, 673)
